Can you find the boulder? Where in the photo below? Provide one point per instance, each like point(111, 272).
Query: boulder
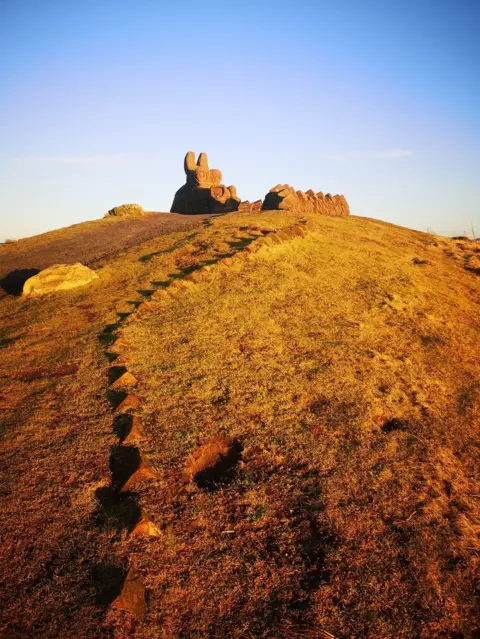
point(203, 192)
point(59, 277)
point(126, 210)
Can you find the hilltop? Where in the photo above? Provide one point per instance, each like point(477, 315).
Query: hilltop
point(302, 412)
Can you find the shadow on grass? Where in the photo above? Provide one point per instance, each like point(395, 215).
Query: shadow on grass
point(13, 283)
point(177, 245)
point(124, 461)
point(122, 425)
point(222, 472)
point(394, 424)
point(107, 336)
point(473, 269)
point(146, 292)
point(106, 339)
point(5, 341)
point(116, 512)
point(108, 582)
point(236, 247)
point(241, 244)
point(114, 397)
point(114, 372)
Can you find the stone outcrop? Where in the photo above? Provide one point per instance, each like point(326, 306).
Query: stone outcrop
point(59, 277)
point(203, 192)
point(250, 206)
point(284, 197)
point(126, 210)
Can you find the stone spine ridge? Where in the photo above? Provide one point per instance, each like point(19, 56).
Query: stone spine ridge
point(203, 191)
point(283, 197)
point(250, 206)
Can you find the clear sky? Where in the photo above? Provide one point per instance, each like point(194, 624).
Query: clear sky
point(376, 99)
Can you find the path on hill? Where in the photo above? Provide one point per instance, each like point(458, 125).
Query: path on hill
point(91, 241)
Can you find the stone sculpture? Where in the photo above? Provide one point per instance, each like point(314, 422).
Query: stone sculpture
point(284, 197)
point(203, 192)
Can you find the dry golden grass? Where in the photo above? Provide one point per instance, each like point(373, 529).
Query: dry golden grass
point(344, 363)
point(57, 538)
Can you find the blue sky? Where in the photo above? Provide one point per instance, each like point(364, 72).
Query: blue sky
point(379, 100)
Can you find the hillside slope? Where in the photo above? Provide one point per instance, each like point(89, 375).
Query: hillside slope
point(343, 366)
point(89, 242)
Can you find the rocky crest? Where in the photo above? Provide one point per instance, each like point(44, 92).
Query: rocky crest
point(203, 192)
point(126, 210)
point(284, 197)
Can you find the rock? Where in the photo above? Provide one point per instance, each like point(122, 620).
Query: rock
point(145, 527)
point(59, 277)
point(132, 595)
point(126, 210)
point(130, 403)
point(142, 473)
point(127, 380)
point(203, 192)
point(284, 197)
point(136, 433)
point(250, 206)
point(214, 462)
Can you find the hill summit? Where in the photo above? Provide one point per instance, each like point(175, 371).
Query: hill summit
point(261, 424)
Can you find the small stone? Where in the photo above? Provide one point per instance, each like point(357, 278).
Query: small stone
point(135, 434)
point(132, 597)
point(143, 472)
point(127, 380)
point(145, 527)
point(131, 402)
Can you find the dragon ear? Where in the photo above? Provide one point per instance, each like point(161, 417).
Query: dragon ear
point(189, 163)
point(202, 162)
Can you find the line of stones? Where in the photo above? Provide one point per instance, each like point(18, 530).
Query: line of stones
point(132, 595)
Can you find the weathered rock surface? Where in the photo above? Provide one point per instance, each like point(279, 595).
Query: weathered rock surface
point(132, 596)
point(59, 277)
point(126, 210)
point(203, 192)
point(250, 206)
point(284, 197)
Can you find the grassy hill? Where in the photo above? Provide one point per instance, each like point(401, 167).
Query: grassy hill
point(335, 369)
